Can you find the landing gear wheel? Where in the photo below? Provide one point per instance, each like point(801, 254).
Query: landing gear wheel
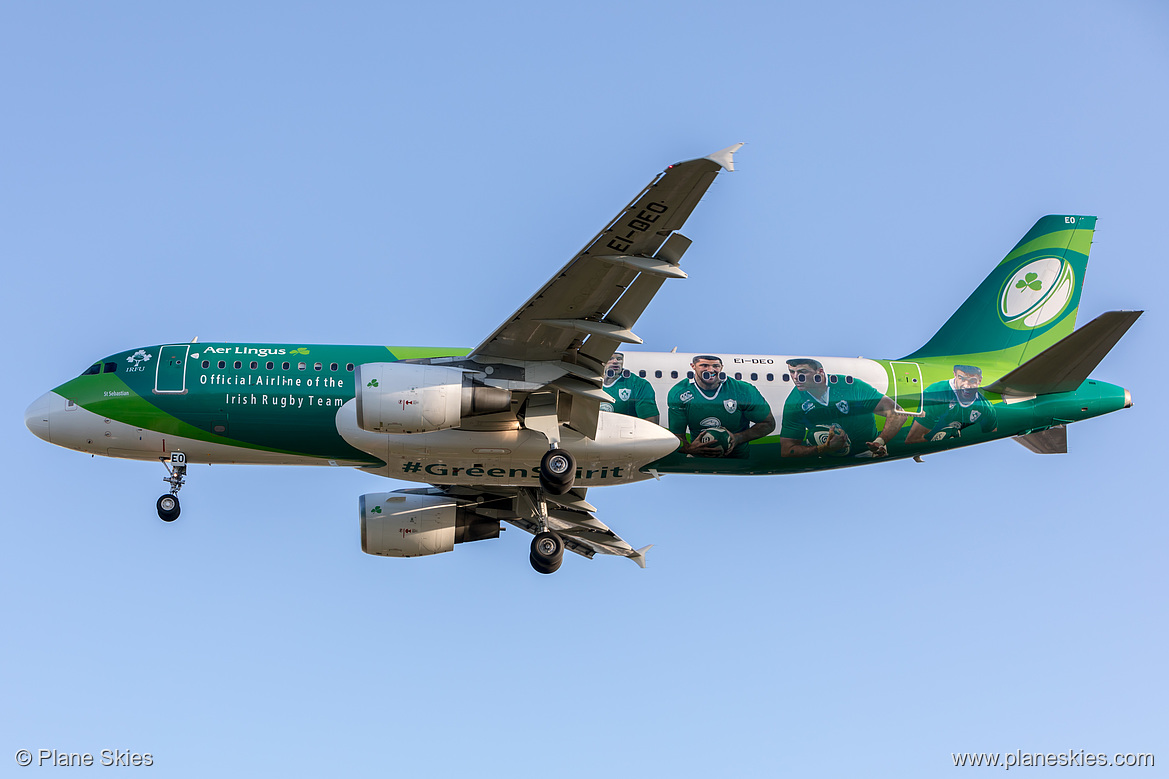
point(168, 508)
point(547, 552)
point(557, 471)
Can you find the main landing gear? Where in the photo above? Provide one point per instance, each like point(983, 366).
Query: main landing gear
point(547, 552)
point(557, 471)
point(168, 505)
point(547, 546)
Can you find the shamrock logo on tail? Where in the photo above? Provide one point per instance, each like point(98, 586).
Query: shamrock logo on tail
point(1030, 280)
point(372, 383)
point(376, 510)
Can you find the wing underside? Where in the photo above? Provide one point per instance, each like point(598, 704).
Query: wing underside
point(570, 516)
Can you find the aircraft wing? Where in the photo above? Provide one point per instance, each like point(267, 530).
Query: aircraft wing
point(575, 322)
point(592, 296)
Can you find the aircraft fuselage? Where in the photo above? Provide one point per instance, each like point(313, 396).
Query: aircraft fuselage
point(294, 405)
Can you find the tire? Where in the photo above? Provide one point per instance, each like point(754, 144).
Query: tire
point(547, 552)
point(557, 471)
point(542, 567)
point(168, 508)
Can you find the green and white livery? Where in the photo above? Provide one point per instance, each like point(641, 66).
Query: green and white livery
point(554, 402)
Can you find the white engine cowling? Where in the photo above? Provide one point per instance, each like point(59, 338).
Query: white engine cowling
point(395, 397)
point(396, 524)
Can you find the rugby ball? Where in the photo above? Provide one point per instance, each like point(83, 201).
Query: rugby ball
point(720, 437)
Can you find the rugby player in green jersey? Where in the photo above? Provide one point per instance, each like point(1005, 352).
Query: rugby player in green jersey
point(712, 399)
point(632, 395)
point(834, 415)
point(950, 406)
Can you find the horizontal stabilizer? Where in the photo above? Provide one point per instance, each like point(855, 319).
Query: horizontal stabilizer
point(1064, 366)
point(1053, 440)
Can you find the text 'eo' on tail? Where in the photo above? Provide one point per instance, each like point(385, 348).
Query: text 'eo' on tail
point(1026, 304)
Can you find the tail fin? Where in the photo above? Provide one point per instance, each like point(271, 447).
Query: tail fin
point(1026, 304)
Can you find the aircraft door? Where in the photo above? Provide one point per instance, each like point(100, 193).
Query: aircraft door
point(907, 385)
point(170, 376)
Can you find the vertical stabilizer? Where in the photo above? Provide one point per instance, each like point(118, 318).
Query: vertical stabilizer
point(1026, 304)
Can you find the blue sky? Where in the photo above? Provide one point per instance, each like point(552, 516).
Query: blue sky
point(409, 175)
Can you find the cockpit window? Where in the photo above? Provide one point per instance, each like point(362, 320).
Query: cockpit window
point(94, 370)
point(110, 367)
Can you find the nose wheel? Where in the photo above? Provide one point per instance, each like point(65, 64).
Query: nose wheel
point(168, 508)
point(168, 505)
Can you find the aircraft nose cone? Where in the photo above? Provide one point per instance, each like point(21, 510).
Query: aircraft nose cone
point(36, 416)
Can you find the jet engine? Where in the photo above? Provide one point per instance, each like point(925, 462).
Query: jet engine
point(395, 524)
point(395, 397)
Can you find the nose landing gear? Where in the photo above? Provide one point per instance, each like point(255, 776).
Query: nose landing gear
point(168, 505)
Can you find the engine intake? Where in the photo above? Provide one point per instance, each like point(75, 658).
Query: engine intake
point(395, 397)
point(395, 524)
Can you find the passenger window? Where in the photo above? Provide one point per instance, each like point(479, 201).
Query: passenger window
point(254, 365)
point(754, 377)
point(222, 365)
point(848, 379)
point(657, 374)
point(317, 366)
point(332, 366)
point(206, 363)
point(237, 365)
point(641, 374)
point(302, 365)
point(771, 377)
point(690, 374)
point(739, 376)
point(110, 367)
point(284, 366)
point(673, 374)
point(349, 367)
point(817, 378)
point(787, 377)
point(832, 379)
point(269, 365)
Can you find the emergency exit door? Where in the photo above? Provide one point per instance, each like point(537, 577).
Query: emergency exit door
point(170, 377)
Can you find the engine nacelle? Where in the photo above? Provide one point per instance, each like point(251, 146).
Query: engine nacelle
point(396, 524)
point(395, 397)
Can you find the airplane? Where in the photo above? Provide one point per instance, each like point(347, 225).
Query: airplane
point(554, 402)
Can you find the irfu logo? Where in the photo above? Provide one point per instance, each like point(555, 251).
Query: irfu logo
point(1036, 293)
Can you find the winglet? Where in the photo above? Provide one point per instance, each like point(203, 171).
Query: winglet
point(639, 556)
point(726, 157)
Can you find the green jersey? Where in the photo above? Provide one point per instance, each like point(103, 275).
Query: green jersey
point(847, 404)
point(632, 396)
point(946, 416)
point(734, 405)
